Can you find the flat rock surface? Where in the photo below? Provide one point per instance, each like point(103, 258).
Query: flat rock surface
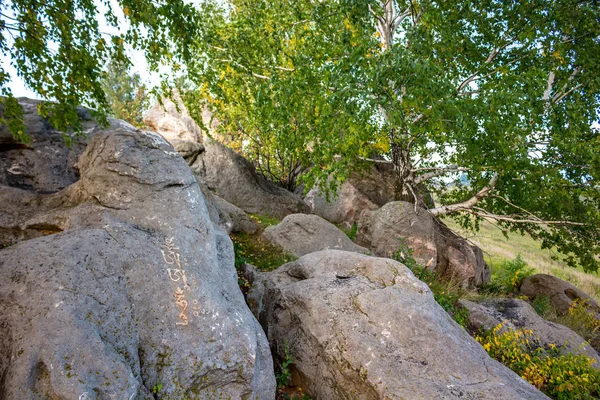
point(360, 327)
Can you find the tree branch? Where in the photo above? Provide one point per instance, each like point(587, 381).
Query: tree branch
point(374, 160)
point(549, 88)
point(438, 172)
point(537, 221)
point(562, 94)
point(468, 204)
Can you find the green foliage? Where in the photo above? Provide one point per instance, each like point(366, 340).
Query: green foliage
point(264, 221)
point(157, 388)
point(59, 50)
point(582, 319)
point(12, 116)
point(351, 233)
point(253, 249)
point(125, 93)
point(511, 273)
point(559, 376)
point(506, 91)
point(404, 254)
point(500, 89)
point(284, 368)
point(542, 306)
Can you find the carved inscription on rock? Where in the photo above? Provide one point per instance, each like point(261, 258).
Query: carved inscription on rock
point(177, 275)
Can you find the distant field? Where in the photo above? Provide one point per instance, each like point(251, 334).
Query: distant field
point(497, 249)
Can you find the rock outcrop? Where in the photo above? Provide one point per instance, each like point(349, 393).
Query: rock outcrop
point(300, 234)
point(365, 190)
point(360, 327)
point(127, 288)
point(433, 245)
point(235, 179)
point(172, 120)
point(516, 314)
point(236, 220)
point(560, 293)
point(45, 165)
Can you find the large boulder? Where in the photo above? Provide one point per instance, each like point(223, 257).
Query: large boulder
point(560, 293)
point(367, 188)
point(363, 190)
point(360, 327)
point(235, 219)
point(189, 150)
point(400, 224)
point(300, 234)
point(516, 314)
point(225, 215)
point(128, 289)
point(235, 179)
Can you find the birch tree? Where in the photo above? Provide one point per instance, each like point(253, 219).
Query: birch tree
point(490, 105)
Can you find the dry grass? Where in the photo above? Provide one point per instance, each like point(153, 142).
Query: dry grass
point(498, 248)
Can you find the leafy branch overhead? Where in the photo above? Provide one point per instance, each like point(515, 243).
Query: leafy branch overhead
point(59, 49)
point(490, 106)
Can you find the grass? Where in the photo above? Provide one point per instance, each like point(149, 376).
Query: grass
point(497, 249)
point(253, 249)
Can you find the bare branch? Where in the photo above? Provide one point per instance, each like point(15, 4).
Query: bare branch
point(475, 75)
point(399, 18)
point(439, 172)
point(468, 204)
point(244, 68)
point(563, 91)
point(374, 160)
point(420, 116)
point(470, 79)
point(567, 93)
point(516, 206)
point(549, 88)
point(377, 17)
point(485, 214)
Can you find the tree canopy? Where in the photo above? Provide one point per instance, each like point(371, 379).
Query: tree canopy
point(502, 93)
point(59, 50)
point(125, 93)
point(490, 105)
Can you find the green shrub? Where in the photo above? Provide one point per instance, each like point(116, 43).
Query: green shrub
point(263, 221)
point(254, 250)
point(511, 273)
point(404, 254)
point(284, 368)
point(583, 321)
point(558, 376)
point(351, 233)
